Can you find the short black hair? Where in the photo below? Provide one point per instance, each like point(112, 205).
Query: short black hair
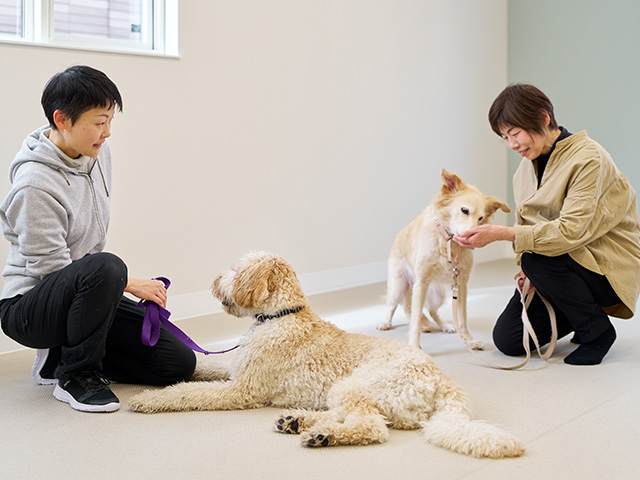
point(77, 90)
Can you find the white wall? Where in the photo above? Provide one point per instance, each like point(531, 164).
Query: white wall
point(313, 129)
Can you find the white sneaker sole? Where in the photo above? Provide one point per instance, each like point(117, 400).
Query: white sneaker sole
point(41, 357)
point(64, 396)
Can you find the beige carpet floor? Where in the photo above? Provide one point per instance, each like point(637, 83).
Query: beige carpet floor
point(576, 422)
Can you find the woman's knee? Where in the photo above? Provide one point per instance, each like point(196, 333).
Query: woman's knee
point(111, 265)
point(508, 331)
point(528, 263)
point(544, 270)
point(187, 367)
point(106, 268)
point(178, 368)
point(506, 342)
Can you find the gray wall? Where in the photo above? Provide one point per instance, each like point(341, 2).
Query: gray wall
point(584, 55)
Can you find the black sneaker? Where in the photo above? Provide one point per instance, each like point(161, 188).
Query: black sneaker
point(46, 361)
point(87, 391)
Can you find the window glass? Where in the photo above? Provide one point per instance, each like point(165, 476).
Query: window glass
point(128, 26)
point(116, 19)
point(11, 17)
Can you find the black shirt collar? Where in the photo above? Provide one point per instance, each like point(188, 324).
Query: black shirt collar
point(542, 160)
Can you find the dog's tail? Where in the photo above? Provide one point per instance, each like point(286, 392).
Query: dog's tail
point(451, 427)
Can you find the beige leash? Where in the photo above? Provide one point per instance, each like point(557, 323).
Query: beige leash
point(526, 295)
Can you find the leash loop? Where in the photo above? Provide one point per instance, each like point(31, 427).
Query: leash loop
point(526, 296)
point(156, 315)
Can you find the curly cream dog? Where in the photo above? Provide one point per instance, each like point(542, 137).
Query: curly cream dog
point(418, 266)
point(344, 388)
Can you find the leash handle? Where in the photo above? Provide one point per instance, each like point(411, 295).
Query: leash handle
point(526, 296)
point(156, 315)
point(153, 317)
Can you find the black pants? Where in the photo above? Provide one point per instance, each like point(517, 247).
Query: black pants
point(577, 295)
point(81, 309)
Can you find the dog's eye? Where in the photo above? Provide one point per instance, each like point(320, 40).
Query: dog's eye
point(465, 210)
point(480, 219)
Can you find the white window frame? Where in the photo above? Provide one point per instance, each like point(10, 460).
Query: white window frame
point(38, 29)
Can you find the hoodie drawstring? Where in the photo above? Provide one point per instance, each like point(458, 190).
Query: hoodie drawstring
point(104, 182)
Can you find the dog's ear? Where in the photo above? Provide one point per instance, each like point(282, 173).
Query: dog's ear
point(251, 287)
point(494, 204)
point(450, 182)
point(215, 288)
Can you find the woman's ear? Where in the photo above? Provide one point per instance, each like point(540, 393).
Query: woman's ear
point(547, 119)
point(60, 119)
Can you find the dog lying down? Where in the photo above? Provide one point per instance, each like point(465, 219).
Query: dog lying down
point(341, 388)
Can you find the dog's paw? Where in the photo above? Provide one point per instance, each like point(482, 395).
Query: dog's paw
point(425, 324)
point(316, 440)
point(288, 424)
point(145, 402)
point(384, 326)
point(476, 345)
point(447, 328)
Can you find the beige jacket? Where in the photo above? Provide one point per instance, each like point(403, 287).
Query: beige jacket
point(584, 207)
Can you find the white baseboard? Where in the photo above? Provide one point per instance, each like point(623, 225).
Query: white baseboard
point(200, 303)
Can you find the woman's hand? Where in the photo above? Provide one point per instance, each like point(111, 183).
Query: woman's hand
point(483, 235)
point(144, 289)
point(520, 278)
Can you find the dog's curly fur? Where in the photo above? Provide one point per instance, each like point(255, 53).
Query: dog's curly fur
point(418, 263)
point(342, 388)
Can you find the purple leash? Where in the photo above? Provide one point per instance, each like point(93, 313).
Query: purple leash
point(155, 315)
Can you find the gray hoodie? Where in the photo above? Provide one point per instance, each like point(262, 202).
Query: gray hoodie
point(54, 214)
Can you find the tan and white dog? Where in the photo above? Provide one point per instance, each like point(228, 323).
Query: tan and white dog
point(418, 266)
point(342, 388)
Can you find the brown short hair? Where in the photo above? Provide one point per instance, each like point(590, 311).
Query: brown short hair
point(521, 105)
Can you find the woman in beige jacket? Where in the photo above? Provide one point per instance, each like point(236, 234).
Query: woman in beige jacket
point(577, 232)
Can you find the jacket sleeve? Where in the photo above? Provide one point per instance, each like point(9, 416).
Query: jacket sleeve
point(594, 202)
point(40, 223)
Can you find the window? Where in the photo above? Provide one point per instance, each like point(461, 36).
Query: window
point(11, 14)
point(142, 26)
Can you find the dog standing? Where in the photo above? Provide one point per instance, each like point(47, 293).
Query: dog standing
point(342, 388)
point(418, 266)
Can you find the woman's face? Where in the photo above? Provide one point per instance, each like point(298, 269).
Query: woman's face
point(86, 135)
point(528, 144)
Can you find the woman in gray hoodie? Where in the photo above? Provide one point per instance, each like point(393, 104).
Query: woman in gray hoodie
point(62, 294)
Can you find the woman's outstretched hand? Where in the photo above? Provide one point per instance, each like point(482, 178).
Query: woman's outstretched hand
point(483, 235)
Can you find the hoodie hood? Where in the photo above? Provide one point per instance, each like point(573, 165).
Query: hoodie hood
point(35, 150)
point(54, 214)
point(38, 148)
